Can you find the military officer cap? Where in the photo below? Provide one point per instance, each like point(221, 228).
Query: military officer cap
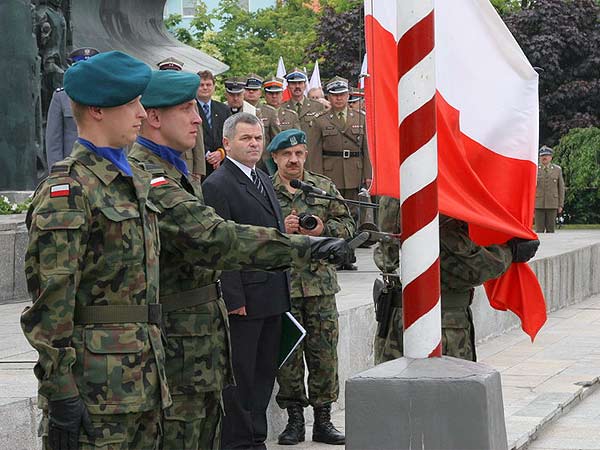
point(106, 80)
point(81, 54)
point(356, 95)
point(170, 63)
point(170, 88)
point(253, 81)
point(287, 139)
point(296, 75)
point(546, 151)
point(273, 84)
point(337, 85)
point(235, 85)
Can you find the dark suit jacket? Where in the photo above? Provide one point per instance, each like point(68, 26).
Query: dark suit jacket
point(234, 196)
point(213, 137)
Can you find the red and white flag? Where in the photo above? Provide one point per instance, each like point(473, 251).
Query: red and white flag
point(281, 74)
point(487, 119)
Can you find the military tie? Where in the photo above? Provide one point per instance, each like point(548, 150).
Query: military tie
point(207, 114)
point(258, 183)
point(341, 117)
point(298, 108)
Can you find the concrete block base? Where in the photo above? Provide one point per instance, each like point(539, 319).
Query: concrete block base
point(437, 403)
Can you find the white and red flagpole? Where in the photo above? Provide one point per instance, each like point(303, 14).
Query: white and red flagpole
point(418, 179)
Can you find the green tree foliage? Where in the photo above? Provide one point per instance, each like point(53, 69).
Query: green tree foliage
point(562, 38)
point(340, 40)
point(578, 153)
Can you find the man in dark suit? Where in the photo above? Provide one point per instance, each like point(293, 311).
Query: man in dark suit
point(213, 116)
point(255, 300)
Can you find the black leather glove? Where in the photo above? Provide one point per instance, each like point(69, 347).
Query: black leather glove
point(523, 249)
point(65, 418)
point(334, 250)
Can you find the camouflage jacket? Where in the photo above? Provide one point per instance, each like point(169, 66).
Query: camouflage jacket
point(316, 278)
point(463, 264)
point(93, 241)
point(196, 244)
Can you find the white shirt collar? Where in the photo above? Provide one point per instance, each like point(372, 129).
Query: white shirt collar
point(247, 170)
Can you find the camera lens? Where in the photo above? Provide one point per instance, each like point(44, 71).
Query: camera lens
point(307, 221)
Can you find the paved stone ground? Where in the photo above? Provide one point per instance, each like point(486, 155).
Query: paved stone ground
point(578, 429)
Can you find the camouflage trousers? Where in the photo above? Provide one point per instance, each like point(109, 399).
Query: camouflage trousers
point(131, 431)
point(320, 318)
point(458, 335)
point(199, 429)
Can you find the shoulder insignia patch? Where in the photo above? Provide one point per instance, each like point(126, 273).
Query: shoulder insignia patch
point(158, 181)
point(60, 190)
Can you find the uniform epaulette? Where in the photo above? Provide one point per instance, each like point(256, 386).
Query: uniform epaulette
point(321, 113)
point(152, 168)
point(62, 167)
point(319, 175)
point(266, 107)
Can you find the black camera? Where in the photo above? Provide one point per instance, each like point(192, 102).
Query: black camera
point(307, 221)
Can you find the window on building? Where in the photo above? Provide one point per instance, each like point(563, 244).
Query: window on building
point(189, 8)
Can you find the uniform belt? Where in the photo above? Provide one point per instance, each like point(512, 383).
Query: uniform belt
point(344, 154)
point(85, 315)
point(451, 299)
point(194, 297)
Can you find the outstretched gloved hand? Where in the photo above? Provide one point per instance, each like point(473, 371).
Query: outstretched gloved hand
point(65, 418)
point(334, 250)
point(523, 249)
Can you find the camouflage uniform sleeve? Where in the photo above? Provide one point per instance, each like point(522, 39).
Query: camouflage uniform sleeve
point(194, 230)
point(465, 264)
point(57, 240)
point(339, 223)
point(387, 252)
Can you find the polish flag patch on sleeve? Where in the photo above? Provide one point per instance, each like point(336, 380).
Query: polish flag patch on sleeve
point(158, 181)
point(60, 190)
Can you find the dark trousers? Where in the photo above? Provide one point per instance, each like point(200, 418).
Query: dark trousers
point(255, 348)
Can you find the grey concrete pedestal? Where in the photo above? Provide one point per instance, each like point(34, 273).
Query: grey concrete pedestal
point(437, 403)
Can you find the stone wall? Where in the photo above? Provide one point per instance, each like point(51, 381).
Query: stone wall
point(13, 244)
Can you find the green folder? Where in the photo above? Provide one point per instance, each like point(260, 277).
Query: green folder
point(292, 334)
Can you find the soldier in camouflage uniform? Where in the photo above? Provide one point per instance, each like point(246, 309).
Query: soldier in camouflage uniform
point(92, 272)
point(313, 289)
point(195, 244)
point(275, 119)
point(463, 265)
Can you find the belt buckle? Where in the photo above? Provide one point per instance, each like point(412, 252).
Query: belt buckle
point(346, 154)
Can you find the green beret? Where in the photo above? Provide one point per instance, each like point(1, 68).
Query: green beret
point(106, 80)
point(170, 88)
point(287, 139)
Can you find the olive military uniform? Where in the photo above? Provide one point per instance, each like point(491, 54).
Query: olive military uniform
point(549, 196)
point(338, 149)
point(463, 265)
point(196, 243)
point(306, 110)
point(313, 289)
point(274, 121)
point(92, 271)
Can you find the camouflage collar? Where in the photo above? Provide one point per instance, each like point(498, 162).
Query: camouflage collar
point(102, 168)
point(279, 186)
point(143, 154)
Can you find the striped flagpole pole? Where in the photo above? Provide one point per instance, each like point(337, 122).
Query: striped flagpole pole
point(418, 179)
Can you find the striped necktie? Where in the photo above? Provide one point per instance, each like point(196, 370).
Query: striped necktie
point(207, 115)
point(258, 183)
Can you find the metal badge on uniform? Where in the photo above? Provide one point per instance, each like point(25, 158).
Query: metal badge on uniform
point(158, 181)
point(60, 190)
point(293, 140)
